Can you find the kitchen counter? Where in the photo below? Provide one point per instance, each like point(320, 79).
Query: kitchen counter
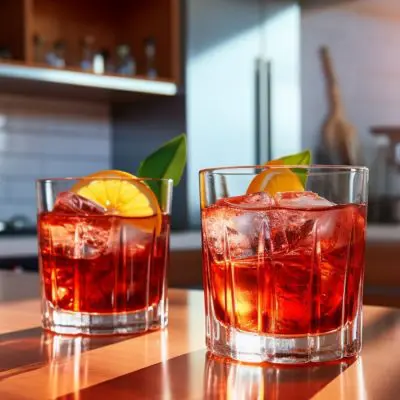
point(26, 246)
point(382, 273)
point(377, 233)
point(174, 363)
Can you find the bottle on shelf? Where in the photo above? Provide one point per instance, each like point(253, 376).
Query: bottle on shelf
point(126, 63)
point(108, 61)
point(150, 52)
point(102, 62)
point(56, 57)
point(39, 55)
point(99, 63)
point(88, 53)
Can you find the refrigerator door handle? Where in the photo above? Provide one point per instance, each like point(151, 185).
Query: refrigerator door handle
point(263, 129)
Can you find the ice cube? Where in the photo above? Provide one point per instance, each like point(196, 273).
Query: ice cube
point(221, 232)
point(135, 241)
point(335, 227)
point(260, 200)
point(301, 200)
point(310, 217)
point(77, 237)
point(97, 237)
point(72, 203)
point(243, 226)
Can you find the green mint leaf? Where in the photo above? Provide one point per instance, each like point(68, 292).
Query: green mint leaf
point(303, 158)
point(167, 162)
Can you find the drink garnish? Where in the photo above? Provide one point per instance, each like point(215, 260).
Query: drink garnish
point(122, 194)
point(129, 196)
point(285, 179)
point(167, 162)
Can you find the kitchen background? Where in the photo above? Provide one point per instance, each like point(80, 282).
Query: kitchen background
point(86, 85)
point(48, 138)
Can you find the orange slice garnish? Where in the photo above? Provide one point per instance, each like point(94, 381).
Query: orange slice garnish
point(122, 194)
point(275, 180)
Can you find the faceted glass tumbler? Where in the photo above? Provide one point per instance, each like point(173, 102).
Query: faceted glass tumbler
point(283, 274)
point(102, 273)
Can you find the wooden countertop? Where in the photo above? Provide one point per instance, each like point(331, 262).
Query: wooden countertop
point(173, 364)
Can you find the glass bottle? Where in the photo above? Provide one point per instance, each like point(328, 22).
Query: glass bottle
point(38, 49)
point(87, 53)
point(150, 52)
point(126, 63)
point(56, 57)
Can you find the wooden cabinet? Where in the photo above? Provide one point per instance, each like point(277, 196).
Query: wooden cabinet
point(13, 28)
point(382, 274)
point(108, 22)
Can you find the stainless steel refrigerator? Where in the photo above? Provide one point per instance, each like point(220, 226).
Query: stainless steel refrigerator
point(242, 85)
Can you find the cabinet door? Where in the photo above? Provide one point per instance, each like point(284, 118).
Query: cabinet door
point(13, 28)
point(281, 55)
point(223, 44)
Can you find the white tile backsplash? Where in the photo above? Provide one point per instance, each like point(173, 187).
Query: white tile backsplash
point(72, 167)
point(90, 127)
point(20, 165)
point(48, 138)
point(4, 190)
point(78, 146)
point(21, 191)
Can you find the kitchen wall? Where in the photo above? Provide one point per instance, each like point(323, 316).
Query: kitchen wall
point(363, 36)
point(141, 127)
point(48, 138)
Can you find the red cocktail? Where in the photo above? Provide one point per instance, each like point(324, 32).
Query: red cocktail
point(296, 284)
point(103, 262)
point(283, 274)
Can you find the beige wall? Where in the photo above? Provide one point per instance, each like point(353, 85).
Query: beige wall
point(364, 38)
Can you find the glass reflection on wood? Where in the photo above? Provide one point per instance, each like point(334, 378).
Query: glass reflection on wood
point(227, 379)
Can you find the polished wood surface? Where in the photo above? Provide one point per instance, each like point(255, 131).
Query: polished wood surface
point(173, 364)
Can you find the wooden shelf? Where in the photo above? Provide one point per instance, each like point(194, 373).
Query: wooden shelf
point(392, 132)
point(109, 24)
point(85, 79)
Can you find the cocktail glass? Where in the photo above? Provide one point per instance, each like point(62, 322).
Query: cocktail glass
point(103, 272)
point(283, 272)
